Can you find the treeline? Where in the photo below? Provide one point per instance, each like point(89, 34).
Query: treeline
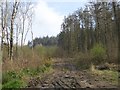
point(98, 23)
point(45, 41)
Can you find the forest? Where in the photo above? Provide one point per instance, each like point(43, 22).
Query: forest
point(45, 41)
point(85, 54)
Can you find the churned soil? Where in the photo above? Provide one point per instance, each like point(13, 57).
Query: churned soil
point(66, 75)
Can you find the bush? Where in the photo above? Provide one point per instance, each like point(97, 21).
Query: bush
point(13, 84)
point(98, 52)
point(60, 53)
point(83, 61)
point(8, 76)
point(12, 79)
point(47, 62)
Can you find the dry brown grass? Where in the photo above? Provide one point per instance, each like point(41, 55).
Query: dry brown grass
point(26, 64)
point(20, 64)
point(27, 58)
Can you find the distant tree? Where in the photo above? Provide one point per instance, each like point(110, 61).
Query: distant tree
point(45, 41)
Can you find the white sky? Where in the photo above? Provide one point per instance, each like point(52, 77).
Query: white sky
point(47, 20)
point(49, 15)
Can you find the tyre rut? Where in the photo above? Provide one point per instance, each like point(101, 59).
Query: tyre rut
point(65, 75)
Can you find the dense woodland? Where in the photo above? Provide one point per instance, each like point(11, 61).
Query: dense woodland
point(45, 41)
point(89, 37)
point(98, 23)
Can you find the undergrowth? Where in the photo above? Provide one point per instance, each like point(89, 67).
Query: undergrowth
point(110, 76)
point(14, 79)
point(27, 64)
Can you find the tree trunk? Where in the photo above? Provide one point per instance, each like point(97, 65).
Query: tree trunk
point(15, 7)
point(11, 38)
point(117, 27)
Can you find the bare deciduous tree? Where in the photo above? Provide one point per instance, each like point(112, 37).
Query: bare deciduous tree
point(25, 17)
point(13, 15)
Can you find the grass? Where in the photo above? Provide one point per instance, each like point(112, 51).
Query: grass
point(37, 62)
point(48, 51)
point(13, 79)
point(29, 63)
point(106, 75)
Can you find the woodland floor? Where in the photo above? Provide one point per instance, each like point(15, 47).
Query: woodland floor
point(66, 75)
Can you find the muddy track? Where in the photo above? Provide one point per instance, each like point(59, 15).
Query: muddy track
point(66, 75)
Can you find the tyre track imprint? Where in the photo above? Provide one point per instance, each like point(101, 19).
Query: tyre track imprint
point(66, 75)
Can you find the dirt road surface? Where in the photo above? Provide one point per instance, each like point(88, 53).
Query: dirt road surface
point(66, 75)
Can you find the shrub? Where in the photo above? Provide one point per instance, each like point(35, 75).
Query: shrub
point(30, 71)
point(6, 77)
point(15, 83)
point(98, 52)
point(12, 80)
point(35, 71)
point(60, 53)
point(48, 62)
point(83, 61)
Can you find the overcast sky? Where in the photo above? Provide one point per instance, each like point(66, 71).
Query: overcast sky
point(49, 14)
